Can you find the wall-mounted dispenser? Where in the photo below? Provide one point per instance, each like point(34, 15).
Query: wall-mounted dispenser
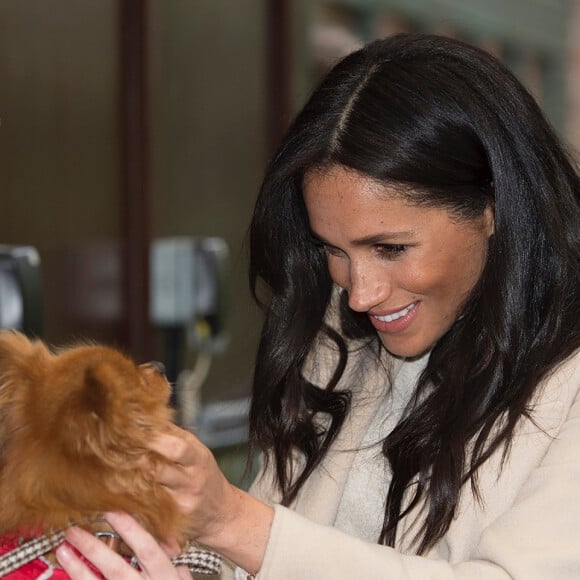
point(189, 302)
point(20, 289)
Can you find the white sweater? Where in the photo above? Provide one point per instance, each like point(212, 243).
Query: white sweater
point(361, 509)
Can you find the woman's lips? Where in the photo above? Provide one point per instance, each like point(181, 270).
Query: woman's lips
point(397, 321)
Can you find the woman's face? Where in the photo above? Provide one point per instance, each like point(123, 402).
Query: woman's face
point(410, 268)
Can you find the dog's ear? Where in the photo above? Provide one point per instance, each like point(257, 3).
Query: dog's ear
point(94, 394)
point(22, 362)
point(16, 352)
point(99, 418)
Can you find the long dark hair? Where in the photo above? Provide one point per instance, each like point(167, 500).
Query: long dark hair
point(456, 129)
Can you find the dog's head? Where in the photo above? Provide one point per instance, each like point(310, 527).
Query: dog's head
point(74, 431)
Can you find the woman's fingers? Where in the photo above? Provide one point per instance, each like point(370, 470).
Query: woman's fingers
point(151, 557)
point(171, 475)
point(153, 561)
point(191, 470)
point(181, 447)
point(193, 478)
point(170, 547)
point(72, 564)
point(183, 573)
point(95, 551)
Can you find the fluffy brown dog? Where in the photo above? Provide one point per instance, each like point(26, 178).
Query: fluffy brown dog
point(74, 430)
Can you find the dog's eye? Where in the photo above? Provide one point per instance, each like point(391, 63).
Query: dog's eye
point(158, 366)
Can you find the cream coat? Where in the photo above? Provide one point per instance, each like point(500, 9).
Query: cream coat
point(527, 529)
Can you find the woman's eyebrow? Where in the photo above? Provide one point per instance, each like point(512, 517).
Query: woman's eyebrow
point(380, 238)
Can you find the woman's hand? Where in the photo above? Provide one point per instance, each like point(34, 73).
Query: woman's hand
point(223, 517)
point(196, 483)
point(153, 558)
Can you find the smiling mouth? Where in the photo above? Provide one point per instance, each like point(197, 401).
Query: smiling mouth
point(396, 315)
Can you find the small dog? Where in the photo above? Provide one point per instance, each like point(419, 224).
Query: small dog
point(74, 430)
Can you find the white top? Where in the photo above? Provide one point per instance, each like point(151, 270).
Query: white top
point(361, 508)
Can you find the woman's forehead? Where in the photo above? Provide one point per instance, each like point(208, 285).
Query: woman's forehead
point(345, 182)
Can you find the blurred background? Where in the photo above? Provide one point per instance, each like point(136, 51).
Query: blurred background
point(127, 124)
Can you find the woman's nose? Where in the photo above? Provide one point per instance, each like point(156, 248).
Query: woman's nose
point(367, 289)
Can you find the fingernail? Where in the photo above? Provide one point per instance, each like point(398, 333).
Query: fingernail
point(64, 554)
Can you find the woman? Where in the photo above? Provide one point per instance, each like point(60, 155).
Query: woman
point(415, 247)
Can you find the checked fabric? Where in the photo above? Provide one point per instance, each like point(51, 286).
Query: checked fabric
point(24, 561)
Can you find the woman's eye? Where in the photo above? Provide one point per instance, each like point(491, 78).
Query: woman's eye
point(331, 250)
point(391, 251)
point(326, 248)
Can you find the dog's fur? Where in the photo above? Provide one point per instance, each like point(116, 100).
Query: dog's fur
point(75, 425)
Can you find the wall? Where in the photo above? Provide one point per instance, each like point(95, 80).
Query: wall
point(208, 139)
point(529, 35)
point(59, 158)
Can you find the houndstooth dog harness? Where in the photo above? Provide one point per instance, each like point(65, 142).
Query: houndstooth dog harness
point(198, 561)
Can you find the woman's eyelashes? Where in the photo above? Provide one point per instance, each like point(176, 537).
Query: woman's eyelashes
point(332, 250)
point(384, 251)
point(328, 249)
point(391, 251)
